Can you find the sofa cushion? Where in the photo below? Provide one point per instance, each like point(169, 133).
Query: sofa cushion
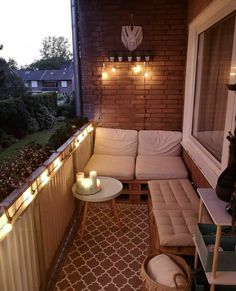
point(152, 167)
point(173, 194)
point(159, 143)
point(177, 227)
point(116, 142)
point(121, 168)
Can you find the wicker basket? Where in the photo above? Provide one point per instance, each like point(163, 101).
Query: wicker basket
point(150, 285)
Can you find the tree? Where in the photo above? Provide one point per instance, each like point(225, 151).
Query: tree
point(11, 86)
point(12, 64)
point(55, 47)
point(47, 64)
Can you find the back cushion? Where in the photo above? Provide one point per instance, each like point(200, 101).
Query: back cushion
point(159, 143)
point(116, 142)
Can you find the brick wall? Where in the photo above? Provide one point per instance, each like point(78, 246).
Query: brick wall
point(195, 7)
point(126, 99)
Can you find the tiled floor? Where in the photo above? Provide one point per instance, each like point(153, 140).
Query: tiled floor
point(106, 259)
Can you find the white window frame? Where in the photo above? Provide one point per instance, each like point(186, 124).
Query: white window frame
point(34, 84)
point(206, 162)
point(64, 84)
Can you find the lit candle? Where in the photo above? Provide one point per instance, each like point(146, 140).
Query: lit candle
point(86, 185)
point(93, 177)
point(79, 176)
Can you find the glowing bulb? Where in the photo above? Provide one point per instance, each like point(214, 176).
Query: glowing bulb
point(104, 75)
point(57, 164)
point(28, 197)
point(44, 178)
point(137, 69)
point(113, 69)
point(90, 128)
point(146, 75)
point(7, 227)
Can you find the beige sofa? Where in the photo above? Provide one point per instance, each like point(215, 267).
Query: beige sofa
point(133, 156)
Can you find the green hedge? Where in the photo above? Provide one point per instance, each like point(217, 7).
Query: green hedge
point(14, 117)
point(48, 99)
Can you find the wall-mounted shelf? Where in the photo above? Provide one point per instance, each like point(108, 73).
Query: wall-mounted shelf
point(135, 56)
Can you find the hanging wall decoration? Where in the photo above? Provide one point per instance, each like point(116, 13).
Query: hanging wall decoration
point(131, 35)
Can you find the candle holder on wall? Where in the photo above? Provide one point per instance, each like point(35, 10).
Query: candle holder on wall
point(136, 56)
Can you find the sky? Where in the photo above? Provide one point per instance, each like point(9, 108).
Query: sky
point(25, 23)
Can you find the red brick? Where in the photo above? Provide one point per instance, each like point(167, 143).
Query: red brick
point(128, 102)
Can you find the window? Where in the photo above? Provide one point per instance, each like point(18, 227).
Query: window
point(34, 84)
point(210, 108)
point(214, 55)
point(64, 84)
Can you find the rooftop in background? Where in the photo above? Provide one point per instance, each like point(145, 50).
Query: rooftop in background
point(60, 81)
point(65, 73)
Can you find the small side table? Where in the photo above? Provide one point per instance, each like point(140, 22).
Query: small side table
point(111, 188)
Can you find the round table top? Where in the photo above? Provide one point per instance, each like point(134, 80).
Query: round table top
point(111, 188)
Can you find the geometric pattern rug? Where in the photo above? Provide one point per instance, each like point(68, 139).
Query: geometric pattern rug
point(106, 259)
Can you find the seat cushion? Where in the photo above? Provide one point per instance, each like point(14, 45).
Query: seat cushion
point(159, 143)
point(175, 208)
point(121, 168)
point(173, 194)
point(152, 167)
point(176, 227)
point(116, 142)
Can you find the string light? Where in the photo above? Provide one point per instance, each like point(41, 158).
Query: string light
point(57, 164)
point(113, 69)
point(44, 178)
point(137, 69)
point(7, 226)
point(28, 196)
point(146, 75)
point(104, 73)
point(6, 221)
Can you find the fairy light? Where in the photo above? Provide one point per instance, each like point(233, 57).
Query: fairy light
point(104, 73)
point(57, 164)
point(7, 226)
point(146, 75)
point(113, 69)
point(137, 69)
point(28, 196)
point(44, 178)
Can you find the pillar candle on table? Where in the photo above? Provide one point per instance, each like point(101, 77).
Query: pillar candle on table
point(93, 177)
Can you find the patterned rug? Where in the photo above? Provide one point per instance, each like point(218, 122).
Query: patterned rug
point(106, 259)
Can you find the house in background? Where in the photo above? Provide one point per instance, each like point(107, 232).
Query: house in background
point(60, 81)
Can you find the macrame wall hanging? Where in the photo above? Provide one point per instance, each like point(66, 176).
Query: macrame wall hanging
point(131, 35)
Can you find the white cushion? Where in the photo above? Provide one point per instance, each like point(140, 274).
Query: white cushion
point(176, 227)
point(116, 142)
point(163, 269)
point(159, 143)
point(121, 168)
point(152, 167)
point(173, 194)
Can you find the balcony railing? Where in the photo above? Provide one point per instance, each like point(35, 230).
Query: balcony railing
point(35, 219)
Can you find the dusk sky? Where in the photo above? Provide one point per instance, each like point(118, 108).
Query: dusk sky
point(24, 24)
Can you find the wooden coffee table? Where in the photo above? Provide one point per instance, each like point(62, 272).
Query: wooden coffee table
point(111, 188)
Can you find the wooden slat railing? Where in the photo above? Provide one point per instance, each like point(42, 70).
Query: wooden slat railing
point(40, 213)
